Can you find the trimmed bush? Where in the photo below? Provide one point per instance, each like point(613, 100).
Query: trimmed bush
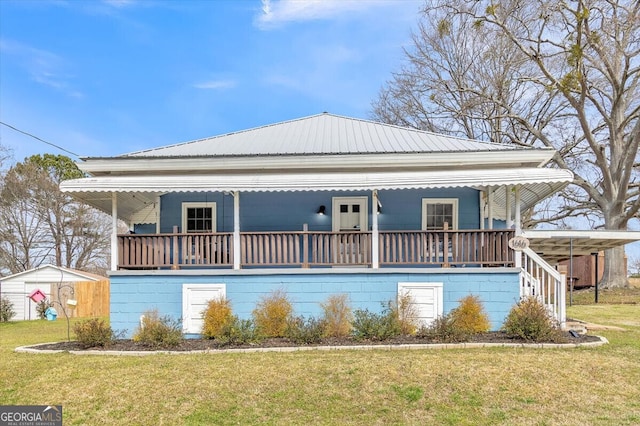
point(305, 331)
point(272, 314)
point(530, 320)
point(470, 316)
point(93, 333)
point(239, 332)
point(444, 329)
point(369, 325)
point(337, 316)
point(158, 331)
point(6, 310)
point(216, 316)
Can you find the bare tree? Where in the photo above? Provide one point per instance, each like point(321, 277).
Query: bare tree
point(536, 73)
point(39, 224)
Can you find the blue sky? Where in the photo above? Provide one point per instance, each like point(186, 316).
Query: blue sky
point(107, 77)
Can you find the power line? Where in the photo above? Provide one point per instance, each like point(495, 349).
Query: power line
point(41, 140)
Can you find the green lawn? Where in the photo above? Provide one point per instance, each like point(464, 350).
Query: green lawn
point(596, 386)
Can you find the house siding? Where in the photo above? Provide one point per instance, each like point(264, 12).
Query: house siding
point(134, 293)
point(290, 211)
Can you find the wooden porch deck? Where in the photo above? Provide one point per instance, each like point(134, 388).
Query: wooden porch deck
point(308, 249)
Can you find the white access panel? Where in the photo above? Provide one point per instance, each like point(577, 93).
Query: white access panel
point(194, 301)
point(428, 298)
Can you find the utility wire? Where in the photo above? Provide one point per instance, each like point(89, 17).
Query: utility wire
point(41, 140)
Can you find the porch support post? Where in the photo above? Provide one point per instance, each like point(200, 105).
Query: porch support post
point(507, 196)
point(482, 195)
point(375, 261)
point(518, 218)
point(236, 230)
point(114, 232)
point(490, 207)
point(157, 209)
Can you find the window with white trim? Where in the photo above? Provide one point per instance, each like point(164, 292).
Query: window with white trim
point(199, 217)
point(438, 211)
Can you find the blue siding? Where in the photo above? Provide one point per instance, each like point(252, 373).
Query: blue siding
point(289, 211)
point(132, 294)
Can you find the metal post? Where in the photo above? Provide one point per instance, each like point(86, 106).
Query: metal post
point(597, 273)
point(570, 271)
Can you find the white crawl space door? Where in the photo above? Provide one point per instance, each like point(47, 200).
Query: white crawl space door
point(194, 301)
point(427, 298)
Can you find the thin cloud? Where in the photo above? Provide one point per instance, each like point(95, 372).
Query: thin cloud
point(275, 13)
point(118, 3)
point(43, 67)
point(215, 85)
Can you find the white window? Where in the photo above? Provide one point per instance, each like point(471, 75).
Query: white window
point(350, 213)
point(199, 217)
point(427, 298)
point(438, 211)
point(194, 301)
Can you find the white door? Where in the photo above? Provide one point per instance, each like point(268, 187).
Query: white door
point(350, 213)
point(427, 298)
point(195, 298)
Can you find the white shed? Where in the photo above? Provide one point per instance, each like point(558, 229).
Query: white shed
point(17, 287)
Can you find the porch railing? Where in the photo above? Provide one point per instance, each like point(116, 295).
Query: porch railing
point(541, 280)
point(317, 249)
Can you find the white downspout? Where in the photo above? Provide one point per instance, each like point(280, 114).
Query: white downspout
point(375, 260)
point(114, 231)
point(236, 230)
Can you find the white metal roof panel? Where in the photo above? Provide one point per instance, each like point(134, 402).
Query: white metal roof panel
point(322, 134)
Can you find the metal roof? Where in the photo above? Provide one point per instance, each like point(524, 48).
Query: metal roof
point(322, 134)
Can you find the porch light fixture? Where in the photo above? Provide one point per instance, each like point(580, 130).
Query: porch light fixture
point(322, 210)
point(379, 209)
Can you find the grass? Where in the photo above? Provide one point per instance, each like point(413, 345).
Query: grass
point(506, 386)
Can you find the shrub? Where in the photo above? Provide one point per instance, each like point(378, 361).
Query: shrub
point(157, 331)
point(530, 320)
point(444, 329)
point(406, 312)
point(369, 325)
point(93, 332)
point(337, 316)
point(238, 332)
point(305, 331)
point(6, 310)
point(470, 316)
point(216, 316)
point(272, 314)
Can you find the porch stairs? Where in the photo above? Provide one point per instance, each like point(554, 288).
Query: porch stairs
point(539, 279)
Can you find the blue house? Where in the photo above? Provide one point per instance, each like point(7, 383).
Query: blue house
point(318, 206)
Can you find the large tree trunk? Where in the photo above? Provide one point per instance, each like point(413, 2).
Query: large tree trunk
point(615, 269)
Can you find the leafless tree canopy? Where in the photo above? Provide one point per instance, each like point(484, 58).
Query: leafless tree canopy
point(39, 224)
point(535, 73)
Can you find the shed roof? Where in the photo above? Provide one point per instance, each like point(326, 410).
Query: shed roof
point(44, 272)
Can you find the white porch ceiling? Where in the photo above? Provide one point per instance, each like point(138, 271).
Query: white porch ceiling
point(135, 194)
point(557, 245)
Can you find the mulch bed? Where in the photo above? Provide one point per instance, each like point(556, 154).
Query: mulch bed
point(206, 344)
